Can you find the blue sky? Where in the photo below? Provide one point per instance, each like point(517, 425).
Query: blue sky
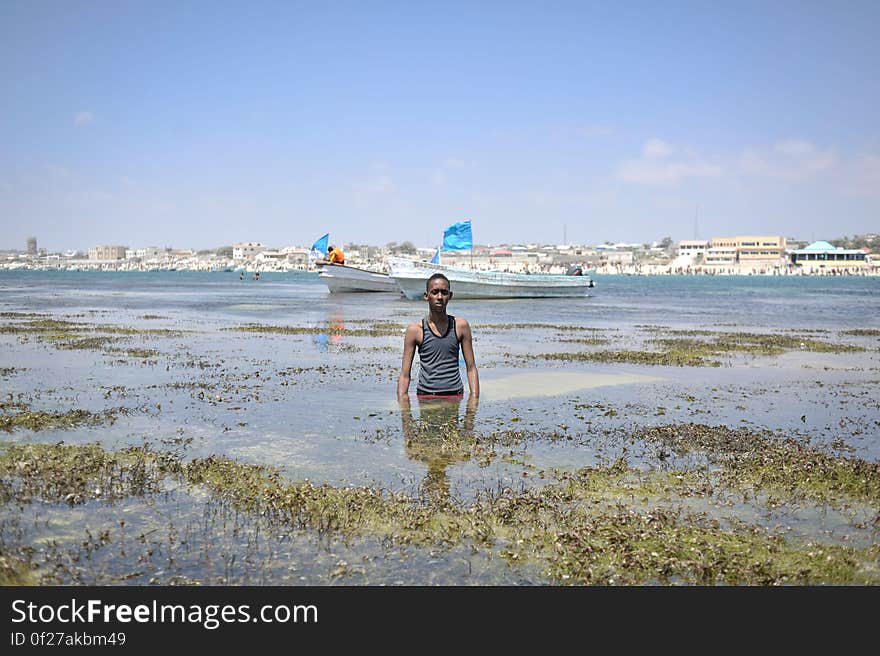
point(201, 124)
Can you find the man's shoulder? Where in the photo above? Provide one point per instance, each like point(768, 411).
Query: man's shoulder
point(462, 325)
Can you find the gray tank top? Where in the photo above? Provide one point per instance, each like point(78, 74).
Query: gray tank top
point(438, 361)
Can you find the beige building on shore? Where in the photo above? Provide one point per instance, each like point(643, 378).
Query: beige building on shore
point(760, 248)
point(741, 251)
point(753, 248)
point(107, 252)
point(720, 256)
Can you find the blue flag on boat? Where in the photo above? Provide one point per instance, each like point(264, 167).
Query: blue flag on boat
point(319, 248)
point(436, 258)
point(457, 237)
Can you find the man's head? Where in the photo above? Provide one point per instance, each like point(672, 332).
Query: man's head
point(437, 290)
point(436, 276)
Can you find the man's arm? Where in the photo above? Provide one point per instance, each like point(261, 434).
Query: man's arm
point(470, 414)
point(463, 328)
point(410, 341)
point(406, 418)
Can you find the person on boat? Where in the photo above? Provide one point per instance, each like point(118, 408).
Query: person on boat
point(335, 255)
point(438, 338)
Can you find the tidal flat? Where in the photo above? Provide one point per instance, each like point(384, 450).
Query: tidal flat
point(247, 433)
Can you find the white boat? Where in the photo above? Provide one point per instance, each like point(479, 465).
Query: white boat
point(410, 276)
point(344, 278)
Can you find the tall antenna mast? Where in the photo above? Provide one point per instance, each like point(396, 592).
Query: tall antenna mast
point(564, 234)
point(696, 220)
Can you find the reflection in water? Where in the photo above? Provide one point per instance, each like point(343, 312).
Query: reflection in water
point(438, 438)
point(333, 332)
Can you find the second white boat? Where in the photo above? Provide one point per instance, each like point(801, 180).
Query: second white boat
point(466, 283)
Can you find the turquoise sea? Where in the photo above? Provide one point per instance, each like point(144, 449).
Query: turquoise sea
point(312, 393)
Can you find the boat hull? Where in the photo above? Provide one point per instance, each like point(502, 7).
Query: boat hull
point(340, 278)
point(465, 283)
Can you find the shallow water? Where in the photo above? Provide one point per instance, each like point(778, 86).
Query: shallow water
point(320, 405)
point(261, 396)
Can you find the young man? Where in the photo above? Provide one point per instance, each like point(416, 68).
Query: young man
point(438, 338)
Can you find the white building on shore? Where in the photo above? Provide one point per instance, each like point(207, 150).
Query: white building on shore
point(247, 250)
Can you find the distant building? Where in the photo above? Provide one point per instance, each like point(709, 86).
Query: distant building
point(720, 255)
point(32, 246)
point(746, 249)
point(107, 252)
point(692, 247)
point(618, 257)
point(247, 250)
point(268, 256)
point(760, 248)
point(144, 253)
point(297, 255)
point(820, 256)
point(149, 252)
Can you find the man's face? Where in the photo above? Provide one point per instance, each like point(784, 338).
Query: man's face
point(438, 294)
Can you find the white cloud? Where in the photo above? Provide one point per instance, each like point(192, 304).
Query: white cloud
point(794, 148)
point(84, 118)
point(655, 148)
point(792, 159)
point(864, 179)
point(663, 164)
point(380, 185)
point(665, 173)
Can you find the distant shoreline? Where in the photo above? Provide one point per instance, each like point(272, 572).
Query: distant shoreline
point(602, 271)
